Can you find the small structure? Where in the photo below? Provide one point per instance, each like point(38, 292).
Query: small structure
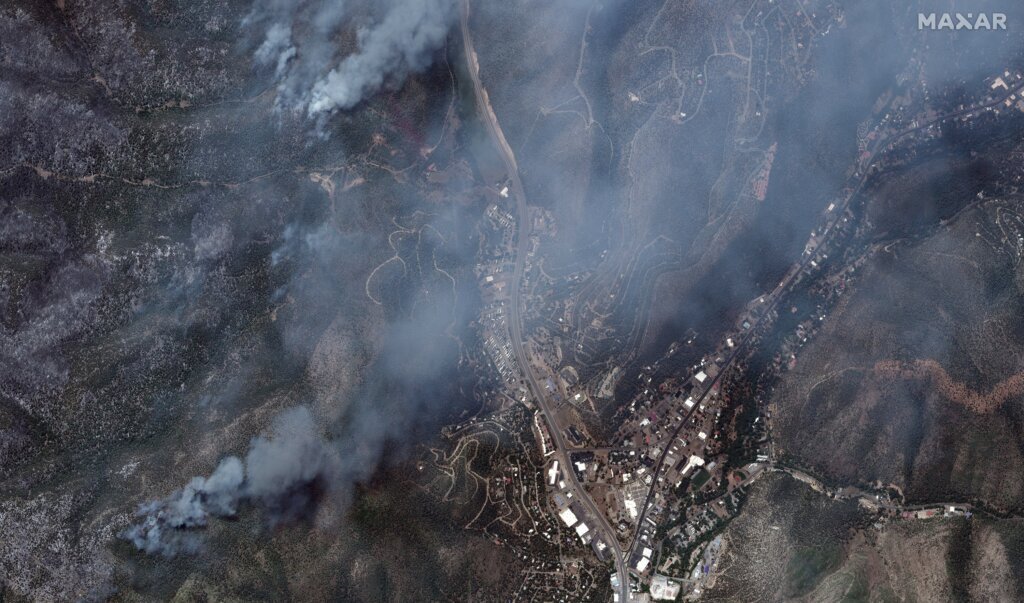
point(664, 589)
point(553, 473)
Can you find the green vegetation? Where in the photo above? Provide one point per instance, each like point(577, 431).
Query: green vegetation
point(700, 478)
point(859, 590)
point(808, 566)
point(958, 557)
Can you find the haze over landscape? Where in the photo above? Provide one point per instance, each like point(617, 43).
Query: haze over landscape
point(469, 300)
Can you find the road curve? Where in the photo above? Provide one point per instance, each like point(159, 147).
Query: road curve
point(783, 287)
point(515, 315)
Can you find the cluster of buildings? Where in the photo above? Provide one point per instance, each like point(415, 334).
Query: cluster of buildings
point(572, 513)
point(1014, 85)
point(939, 511)
point(900, 124)
point(497, 343)
point(495, 276)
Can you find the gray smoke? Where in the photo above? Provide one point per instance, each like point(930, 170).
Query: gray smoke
point(286, 473)
point(402, 43)
point(296, 37)
point(277, 48)
point(299, 40)
point(283, 475)
point(188, 508)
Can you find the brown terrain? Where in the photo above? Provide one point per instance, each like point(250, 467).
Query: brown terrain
point(936, 377)
point(915, 377)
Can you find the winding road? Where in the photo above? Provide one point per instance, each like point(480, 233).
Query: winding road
point(772, 299)
point(487, 115)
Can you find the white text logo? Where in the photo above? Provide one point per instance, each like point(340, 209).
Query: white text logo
point(953, 21)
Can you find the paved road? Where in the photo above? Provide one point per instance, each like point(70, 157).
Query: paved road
point(784, 286)
point(515, 315)
point(771, 301)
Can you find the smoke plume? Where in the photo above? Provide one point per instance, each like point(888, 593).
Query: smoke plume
point(282, 475)
point(299, 41)
point(401, 44)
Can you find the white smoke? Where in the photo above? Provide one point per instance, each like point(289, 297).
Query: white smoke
point(299, 41)
point(276, 48)
point(187, 508)
point(401, 44)
point(281, 475)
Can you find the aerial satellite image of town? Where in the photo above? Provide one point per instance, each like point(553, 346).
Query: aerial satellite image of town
point(511, 300)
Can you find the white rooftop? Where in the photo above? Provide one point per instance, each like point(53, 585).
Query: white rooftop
point(553, 473)
point(567, 516)
point(694, 461)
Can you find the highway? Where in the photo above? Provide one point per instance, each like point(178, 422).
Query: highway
point(771, 301)
point(603, 529)
point(782, 288)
